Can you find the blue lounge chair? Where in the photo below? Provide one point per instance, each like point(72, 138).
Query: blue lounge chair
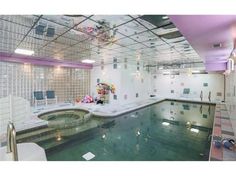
point(38, 97)
point(50, 95)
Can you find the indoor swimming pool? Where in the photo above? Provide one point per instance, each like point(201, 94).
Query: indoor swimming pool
point(166, 131)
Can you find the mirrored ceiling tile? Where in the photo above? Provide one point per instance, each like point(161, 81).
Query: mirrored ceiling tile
point(123, 49)
point(74, 36)
point(144, 36)
point(156, 42)
point(126, 41)
point(173, 40)
point(65, 20)
point(66, 41)
point(146, 23)
point(136, 46)
point(113, 46)
point(113, 20)
point(131, 28)
point(23, 20)
point(162, 31)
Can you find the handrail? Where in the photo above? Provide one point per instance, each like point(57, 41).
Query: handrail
point(201, 95)
point(11, 141)
point(209, 96)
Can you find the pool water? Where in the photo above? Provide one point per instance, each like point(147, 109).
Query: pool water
point(167, 131)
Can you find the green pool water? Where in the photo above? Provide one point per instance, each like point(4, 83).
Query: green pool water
point(167, 131)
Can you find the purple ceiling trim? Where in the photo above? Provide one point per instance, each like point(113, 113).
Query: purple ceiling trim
point(42, 61)
point(202, 31)
point(215, 66)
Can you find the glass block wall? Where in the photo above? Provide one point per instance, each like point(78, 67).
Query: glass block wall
point(22, 79)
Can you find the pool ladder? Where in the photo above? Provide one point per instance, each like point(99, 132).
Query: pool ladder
point(209, 96)
point(201, 95)
point(11, 141)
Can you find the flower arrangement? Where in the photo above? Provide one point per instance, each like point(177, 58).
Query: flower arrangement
point(104, 88)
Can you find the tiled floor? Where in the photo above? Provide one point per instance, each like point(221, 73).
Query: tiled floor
point(222, 128)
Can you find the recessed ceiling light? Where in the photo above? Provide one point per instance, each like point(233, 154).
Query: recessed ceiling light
point(195, 71)
point(88, 61)
point(24, 51)
point(166, 72)
point(165, 17)
point(165, 123)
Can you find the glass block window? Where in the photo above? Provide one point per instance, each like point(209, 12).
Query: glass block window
point(22, 80)
point(234, 91)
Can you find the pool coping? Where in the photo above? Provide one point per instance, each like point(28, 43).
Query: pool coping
point(222, 127)
point(140, 106)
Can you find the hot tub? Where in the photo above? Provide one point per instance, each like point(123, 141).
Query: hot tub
point(65, 118)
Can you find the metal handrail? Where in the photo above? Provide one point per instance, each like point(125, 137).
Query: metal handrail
point(201, 95)
point(11, 141)
point(209, 96)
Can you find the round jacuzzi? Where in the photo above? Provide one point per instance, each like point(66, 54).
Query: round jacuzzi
point(65, 118)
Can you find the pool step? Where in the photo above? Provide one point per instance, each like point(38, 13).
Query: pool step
point(29, 136)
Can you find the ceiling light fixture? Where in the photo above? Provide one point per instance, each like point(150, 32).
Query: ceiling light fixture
point(165, 17)
point(88, 61)
point(24, 51)
point(166, 72)
point(195, 71)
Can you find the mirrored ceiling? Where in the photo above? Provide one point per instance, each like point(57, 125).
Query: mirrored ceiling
point(151, 39)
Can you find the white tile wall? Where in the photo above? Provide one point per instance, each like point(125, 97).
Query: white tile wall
point(173, 86)
point(127, 80)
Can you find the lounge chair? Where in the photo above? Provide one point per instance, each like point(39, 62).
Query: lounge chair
point(38, 97)
point(50, 96)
